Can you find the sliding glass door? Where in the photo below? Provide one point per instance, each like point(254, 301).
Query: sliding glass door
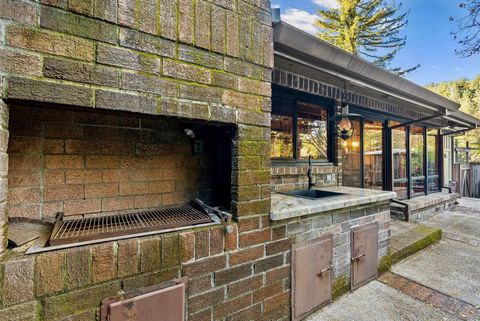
point(433, 142)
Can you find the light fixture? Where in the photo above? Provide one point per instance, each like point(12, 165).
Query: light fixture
point(344, 127)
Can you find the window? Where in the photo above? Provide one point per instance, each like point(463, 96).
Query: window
point(399, 159)
point(282, 130)
point(373, 146)
point(432, 160)
point(299, 130)
point(417, 136)
point(352, 158)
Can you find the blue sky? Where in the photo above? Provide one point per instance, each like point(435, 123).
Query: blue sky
point(429, 41)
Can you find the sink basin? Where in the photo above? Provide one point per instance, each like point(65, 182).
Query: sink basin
point(311, 193)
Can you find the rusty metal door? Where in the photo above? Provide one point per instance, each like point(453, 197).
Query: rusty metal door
point(311, 275)
point(364, 254)
point(164, 304)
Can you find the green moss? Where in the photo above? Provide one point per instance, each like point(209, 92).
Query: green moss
point(340, 286)
point(433, 237)
point(385, 263)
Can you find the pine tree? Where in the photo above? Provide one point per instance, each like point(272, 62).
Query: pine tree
point(367, 28)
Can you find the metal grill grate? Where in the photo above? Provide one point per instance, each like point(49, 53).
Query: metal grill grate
point(94, 228)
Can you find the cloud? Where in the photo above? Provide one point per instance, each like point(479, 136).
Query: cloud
point(457, 69)
point(326, 3)
point(301, 19)
point(436, 67)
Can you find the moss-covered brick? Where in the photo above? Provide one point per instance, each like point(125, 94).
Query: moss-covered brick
point(175, 69)
point(23, 312)
point(81, 6)
point(223, 114)
point(150, 254)
point(148, 279)
point(246, 9)
point(218, 29)
point(168, 19)
point(240, 67)
point(225, 80)
point(245, 38)
point(50, 42)
point(77, 268)
point(74, 24)
point(149, 84)
point(56, 3)
point(202, 24)
point(253, 133)
point(127, 102)
point(80, 72)
point(246, 193)
point(248, 163)
point(148, 16)
point(204, 266)
point(253, 148)
point(255, 86)
point(19, 10)
point(253, 118)
point(127, 13)
point(200, 57)
point(14, 62)
point(340, 286)
point(42, 91)
point(128, 257)
point(118, 57)
point(242, 100)
point(104, 265)
point(251, 177)
point(232, 34)
point(105, 10)
point(256, 45)
point(49, 273)
point(146, 42)
point(170, 250)
point(201, 93)
point(71, 303)
point(185, 21)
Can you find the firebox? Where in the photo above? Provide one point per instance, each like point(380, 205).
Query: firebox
point(97, 176)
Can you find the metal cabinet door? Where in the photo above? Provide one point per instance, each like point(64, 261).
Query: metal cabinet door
point(311, 275)
point(364, 254)
point(167, 304)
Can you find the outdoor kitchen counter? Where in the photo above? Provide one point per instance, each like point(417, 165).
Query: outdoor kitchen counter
point(286, 206)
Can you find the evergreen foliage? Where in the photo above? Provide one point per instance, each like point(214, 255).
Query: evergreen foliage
point(367, 28)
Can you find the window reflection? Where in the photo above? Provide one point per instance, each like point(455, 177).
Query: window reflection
point(373, 147)
point(312, 131)
point(399, 166)
point(351, 158)
point(282, 130)
point(417, 160)
point(432, 160)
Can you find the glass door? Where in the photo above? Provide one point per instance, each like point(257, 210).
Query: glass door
point(417, 144)
point(352, 157)
point(373, 154)
point(399, 161)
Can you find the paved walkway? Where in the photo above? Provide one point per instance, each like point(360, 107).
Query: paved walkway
point(440, 283)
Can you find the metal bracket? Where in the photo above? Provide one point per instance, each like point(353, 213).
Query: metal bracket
point(217, 215)
point(358, 257)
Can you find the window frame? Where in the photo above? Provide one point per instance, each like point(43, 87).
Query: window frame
point(293, 97)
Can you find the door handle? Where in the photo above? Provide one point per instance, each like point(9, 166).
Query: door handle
point(358, 257)
point(322, 272)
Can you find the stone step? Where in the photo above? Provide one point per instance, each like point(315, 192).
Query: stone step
point(410, 238)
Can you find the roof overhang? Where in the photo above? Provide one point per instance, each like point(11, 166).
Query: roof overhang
point(297, 50)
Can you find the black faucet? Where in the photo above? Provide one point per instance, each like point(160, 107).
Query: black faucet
point(309, 173)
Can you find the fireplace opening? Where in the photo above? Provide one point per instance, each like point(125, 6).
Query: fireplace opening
point(78, 166)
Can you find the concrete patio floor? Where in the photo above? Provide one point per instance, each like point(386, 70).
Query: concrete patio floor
point(441, 282)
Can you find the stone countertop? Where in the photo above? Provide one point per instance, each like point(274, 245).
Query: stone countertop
point(285, 206)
